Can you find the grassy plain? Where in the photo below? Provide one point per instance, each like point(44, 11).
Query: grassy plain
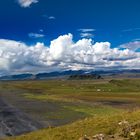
point(76, 107)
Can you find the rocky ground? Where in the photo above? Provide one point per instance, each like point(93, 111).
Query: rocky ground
point(15, 122)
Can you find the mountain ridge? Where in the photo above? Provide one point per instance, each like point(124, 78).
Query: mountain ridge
point(62, 74)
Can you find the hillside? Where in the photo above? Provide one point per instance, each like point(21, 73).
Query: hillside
point(109, 126)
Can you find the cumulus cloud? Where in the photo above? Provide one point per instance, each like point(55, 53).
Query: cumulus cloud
point(26, 3)
point(64, 54)
point(36, 35)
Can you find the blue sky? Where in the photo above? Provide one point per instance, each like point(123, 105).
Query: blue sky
point(104, 34)
point(116, 21)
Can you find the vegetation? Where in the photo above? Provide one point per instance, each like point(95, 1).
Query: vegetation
point(80, 107)
point(106, 125)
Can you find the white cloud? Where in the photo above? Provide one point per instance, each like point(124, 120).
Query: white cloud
point(86, 35)
point(63, 54)
point(86, 30)
point(134, 45)
point(26, 3)
point(36, 35)
point(41, 30)
point(51, 17)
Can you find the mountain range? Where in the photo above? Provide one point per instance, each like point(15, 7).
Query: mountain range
point(65, 74)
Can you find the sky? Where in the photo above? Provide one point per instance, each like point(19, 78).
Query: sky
point(56, 35)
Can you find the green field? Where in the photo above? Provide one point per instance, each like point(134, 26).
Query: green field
point(74, 108)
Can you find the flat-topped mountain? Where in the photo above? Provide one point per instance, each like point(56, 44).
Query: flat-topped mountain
point(84, 77)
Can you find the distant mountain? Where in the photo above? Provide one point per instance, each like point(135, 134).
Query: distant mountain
point(84, 77)
point(17, 77)
point(40, 76)
point(67, 74)
point(58, 74)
